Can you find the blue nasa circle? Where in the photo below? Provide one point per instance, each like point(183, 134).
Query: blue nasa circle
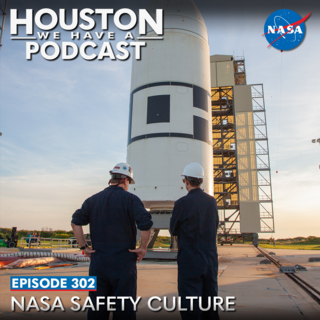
point(282, 18)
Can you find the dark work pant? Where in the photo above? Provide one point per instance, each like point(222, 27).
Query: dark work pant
point(116, 276)
point(197, 277)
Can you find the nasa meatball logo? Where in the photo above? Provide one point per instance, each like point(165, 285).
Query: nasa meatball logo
point(285, 29)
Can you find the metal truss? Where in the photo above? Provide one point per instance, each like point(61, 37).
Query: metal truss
point(262, 157)
point(3, 9)
point(239, 71)
point(225, 159)
point(225, 162)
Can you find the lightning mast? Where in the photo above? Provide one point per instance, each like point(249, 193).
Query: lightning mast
point(3, 10)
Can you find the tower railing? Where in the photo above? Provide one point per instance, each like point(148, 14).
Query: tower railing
point(263, 161)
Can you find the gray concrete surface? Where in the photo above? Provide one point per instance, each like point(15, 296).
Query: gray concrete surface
point(261, 291)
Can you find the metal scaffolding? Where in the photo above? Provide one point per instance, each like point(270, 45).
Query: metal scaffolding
point(239, 71)
point(225, 159)
point(262, 156)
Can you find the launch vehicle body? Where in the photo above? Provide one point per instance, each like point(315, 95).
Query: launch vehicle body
point(170, 109)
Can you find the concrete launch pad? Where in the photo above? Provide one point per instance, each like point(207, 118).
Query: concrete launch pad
point(261, 291)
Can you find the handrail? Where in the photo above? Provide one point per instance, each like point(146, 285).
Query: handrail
point(46, 243)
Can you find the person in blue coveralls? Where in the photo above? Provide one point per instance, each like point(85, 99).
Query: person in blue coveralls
point(114, 215)
point(195, 222)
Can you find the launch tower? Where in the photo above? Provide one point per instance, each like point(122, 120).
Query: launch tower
point(242, 179)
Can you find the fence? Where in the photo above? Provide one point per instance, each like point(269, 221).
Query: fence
point(47, 243)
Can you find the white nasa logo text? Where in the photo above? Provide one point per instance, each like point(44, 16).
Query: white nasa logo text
point(280, 29)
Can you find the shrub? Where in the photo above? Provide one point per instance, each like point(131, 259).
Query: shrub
point(61, 236)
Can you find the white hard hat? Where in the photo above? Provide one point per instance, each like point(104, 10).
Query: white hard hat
point(193, 170)
point(124, 169)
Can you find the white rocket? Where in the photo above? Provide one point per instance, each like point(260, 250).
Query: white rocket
point(170, 107)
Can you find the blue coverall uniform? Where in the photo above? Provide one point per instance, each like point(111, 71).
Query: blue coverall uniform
point(113, 215)
point(195, 221)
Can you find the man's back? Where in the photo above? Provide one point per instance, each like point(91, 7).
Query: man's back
point(195, 221)
point(113, 215)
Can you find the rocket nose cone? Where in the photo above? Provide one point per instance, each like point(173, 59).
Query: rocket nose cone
point(179, 14)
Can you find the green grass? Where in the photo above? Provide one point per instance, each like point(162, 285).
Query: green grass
point(43, 245)
point(162, 245)
point(292, 246)
point(299, 243)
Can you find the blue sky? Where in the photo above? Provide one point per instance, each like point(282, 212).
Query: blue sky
point(64, 123)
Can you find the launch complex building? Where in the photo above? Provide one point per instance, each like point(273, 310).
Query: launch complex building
point(242, 178)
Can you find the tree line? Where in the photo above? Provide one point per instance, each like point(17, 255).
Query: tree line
point(45, 232)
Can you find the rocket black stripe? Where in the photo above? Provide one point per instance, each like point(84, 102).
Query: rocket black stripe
point(168, 83)
point(162, 134)
point(167, 134)
point(200, 131)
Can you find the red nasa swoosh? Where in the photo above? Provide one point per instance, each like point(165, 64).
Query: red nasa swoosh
point(296, 24)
